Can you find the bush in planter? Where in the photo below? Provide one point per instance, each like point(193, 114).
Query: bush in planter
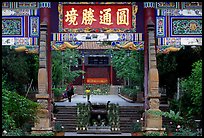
point(137, 128)
point(58, 129)
point(58, 93)
point(129, 92)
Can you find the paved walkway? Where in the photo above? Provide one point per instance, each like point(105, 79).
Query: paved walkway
point(97, 99)
point(100, 99)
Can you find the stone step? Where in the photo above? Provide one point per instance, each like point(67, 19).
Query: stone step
point(66, 111)
point(70, 126)
point(67, 121)
point(65, 107)
point(129, 113)
point(65, 116)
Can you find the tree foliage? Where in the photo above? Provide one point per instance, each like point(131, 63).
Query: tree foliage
point(20, 69)
point(129, 65)
point(61, 66)
point(192, 86)
point(166, 63)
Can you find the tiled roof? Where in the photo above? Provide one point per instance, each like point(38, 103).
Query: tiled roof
point(94, 45)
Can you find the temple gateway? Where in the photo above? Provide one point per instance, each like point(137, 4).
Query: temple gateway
point(92, 28)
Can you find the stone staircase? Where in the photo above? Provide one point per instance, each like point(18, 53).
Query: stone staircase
point(128, 115)
point(66, 115)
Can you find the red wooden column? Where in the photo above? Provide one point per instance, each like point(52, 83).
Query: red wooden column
point(83, 67)
point(45, 8)
point(111, 75)
point(111, 71)
point(149, 14)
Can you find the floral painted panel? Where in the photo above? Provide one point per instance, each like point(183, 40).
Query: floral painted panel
point(34, 26)
point(160, 27)
point(186, 27)
point(12, 26)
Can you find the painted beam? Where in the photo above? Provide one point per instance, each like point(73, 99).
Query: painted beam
point(96, 37)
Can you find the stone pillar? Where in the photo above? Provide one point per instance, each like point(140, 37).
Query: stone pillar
point(153, 117)
point(43, 124)
point(149, 13)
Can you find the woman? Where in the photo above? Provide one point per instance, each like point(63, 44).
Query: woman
point(70, 91)
point(88, 92)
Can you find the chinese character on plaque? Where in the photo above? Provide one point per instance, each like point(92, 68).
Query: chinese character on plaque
point(88, 16)
point(123, 16)
point(71, 17)
point(105, 18)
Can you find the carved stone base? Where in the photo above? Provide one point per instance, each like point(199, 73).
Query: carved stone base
point(42, 96)
point(43, 124)
point(153, 130)
point(153, 118)
point(41, 130)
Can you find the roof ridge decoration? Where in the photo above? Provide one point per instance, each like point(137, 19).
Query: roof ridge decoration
point(61, 46)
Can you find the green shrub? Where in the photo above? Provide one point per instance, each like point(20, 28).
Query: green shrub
point(192, 88)
point(15, 132)
point(155, 134)
point(137, 126)
point(185, 132)
point(17, 110)
point(58, 127)
point(131, 92)
point(58, 91)
point(98, 89)
point(44, 134)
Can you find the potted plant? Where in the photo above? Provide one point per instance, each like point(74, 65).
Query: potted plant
point(137, 128)
point(59, 129)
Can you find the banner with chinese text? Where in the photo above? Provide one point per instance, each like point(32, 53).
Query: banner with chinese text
point(97, 17)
